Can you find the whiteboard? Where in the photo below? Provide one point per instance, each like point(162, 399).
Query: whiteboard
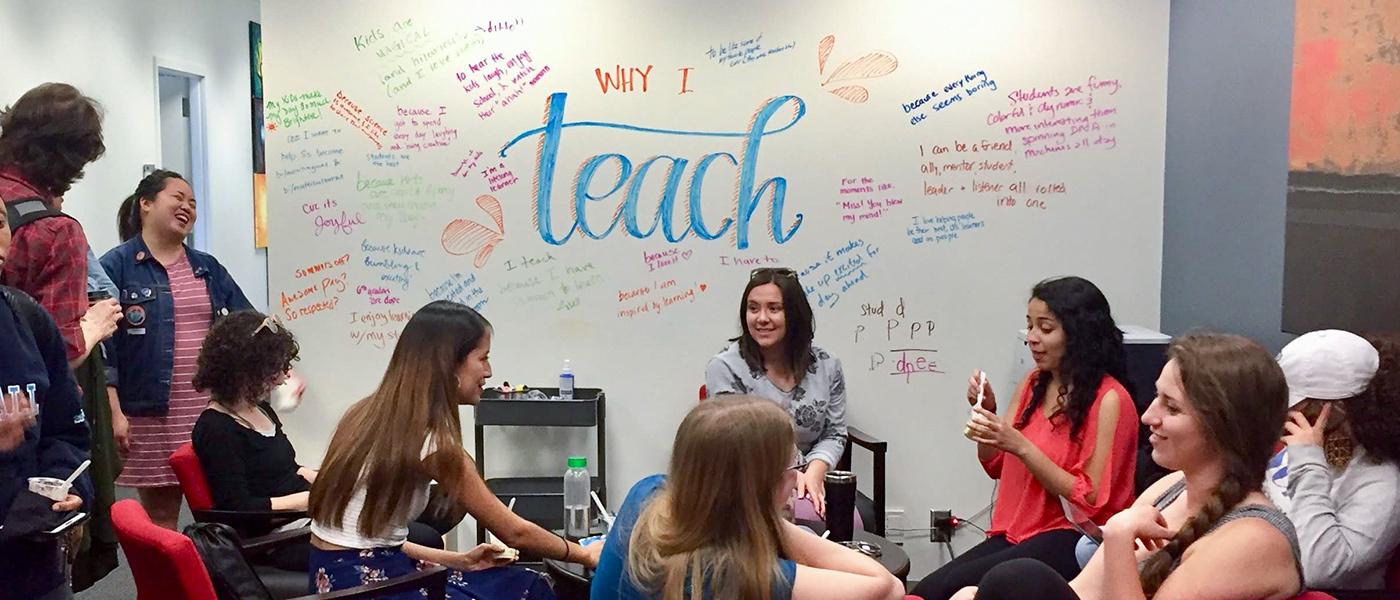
point(599, 178)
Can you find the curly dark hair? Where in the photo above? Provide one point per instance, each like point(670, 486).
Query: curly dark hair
point(238, 361)
point(1093, 348)
point(50, 134)
point(1374, 415)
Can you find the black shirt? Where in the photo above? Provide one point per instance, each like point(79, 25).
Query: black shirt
point(245, 468)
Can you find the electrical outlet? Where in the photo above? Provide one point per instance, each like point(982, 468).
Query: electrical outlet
point(941, 526)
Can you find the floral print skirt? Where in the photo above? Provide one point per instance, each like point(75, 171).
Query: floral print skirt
point(332, 570)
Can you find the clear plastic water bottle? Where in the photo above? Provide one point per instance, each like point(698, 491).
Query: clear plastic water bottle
point(566, 382)
point(577, 485)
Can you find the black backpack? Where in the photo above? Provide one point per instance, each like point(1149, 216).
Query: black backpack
point(28, 210)
point(221, 549)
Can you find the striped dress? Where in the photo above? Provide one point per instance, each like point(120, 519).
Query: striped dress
point(154, 439)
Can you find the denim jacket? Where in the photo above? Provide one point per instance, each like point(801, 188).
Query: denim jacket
point(141, 356)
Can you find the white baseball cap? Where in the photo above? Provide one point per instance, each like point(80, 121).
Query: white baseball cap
point(1328, 364)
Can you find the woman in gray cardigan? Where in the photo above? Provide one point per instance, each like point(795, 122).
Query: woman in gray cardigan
point(774, 358)
point(1337, 478)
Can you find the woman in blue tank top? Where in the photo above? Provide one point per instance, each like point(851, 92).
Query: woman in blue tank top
point(715, 521)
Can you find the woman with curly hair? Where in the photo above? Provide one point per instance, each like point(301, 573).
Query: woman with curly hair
point(1337, 477)
point(1071, 432)
point(250, 463)
point(774, 358)
point(1207, 531)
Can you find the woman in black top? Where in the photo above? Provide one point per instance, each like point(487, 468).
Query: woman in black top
point(248, 460)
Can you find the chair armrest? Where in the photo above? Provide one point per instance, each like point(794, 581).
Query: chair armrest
point(1359, 594)
point(865, 440)
point(275, 539)
point(435, 579)
point(247, 518)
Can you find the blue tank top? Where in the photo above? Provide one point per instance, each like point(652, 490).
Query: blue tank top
point(611, 579)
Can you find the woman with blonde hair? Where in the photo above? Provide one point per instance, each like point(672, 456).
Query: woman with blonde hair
point(390, 446)
point(715, 522)
point(1193, 534)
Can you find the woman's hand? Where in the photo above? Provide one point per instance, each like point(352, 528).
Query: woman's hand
point(811, 484)
point(1301, 432)
point(1144, 523)
point(308, 474)
point(985, 427)
point(967, 593)
point(480, 558)
point(68, 504)
point(591, 553)
point(989, 398)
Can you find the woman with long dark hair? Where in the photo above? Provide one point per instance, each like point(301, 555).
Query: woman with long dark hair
point(773, 357)
point(1207, 531)
point(1070, 432)
point(389, 446)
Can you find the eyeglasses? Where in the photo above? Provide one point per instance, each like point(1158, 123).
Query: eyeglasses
point(801, 465)
point(271, 324)
point(773, 272)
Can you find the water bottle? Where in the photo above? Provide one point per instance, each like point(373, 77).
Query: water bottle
point(566, 382)
point(577, 485)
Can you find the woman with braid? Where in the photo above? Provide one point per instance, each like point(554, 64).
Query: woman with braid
point(1219, 407)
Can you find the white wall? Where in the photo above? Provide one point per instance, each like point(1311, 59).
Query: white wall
point(109, 49)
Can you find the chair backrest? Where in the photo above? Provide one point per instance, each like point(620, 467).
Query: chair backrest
point(191, 475)
point(704, 392)
point(163, 562)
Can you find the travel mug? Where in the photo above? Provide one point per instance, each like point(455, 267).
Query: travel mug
point(840, 505)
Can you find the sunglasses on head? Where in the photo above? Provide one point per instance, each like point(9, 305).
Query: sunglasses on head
point(773, 272)
point(270, 323)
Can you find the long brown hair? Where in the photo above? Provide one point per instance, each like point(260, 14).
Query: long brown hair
point(380, 440)
point(715, 523)
point(797, 315)
point(1238, 393)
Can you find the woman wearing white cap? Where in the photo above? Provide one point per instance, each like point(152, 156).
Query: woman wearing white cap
point(1337, 478)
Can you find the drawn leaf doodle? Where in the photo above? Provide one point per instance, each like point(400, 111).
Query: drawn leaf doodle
point(823, 51)
point(870, 66)
point(464, 236)
point(856, 94)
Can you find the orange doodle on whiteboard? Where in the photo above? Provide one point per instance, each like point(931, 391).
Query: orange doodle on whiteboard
point(464, 236)
point(872, 65)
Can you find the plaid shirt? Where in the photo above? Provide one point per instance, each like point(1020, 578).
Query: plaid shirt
point(48, 260)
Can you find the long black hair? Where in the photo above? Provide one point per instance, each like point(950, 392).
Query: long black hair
point(797, 315)
point(129, 213)
point(1093, 348)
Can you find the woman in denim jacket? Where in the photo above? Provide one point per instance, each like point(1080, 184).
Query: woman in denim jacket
point(170, 295)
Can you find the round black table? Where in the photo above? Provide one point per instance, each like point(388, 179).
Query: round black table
point(571, 580)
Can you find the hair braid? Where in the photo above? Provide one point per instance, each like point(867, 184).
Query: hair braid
point(1158, 567)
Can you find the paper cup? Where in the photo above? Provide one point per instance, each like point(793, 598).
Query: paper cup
point(49, 487)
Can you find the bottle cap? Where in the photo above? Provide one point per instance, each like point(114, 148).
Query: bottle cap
point(578, 462)
point(567, 368)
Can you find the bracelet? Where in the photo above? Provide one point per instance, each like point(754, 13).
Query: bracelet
point(566, 548)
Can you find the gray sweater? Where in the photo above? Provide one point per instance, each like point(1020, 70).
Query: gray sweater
point(1347, 521)
point(817, 405)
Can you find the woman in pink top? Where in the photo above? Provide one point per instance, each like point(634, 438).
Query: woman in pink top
point(1071, 432)
point(170, 295)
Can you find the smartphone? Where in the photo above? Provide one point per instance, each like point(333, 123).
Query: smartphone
point(96, 296)
point(1081, 522)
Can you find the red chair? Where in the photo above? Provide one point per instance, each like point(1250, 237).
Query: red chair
point(872, 509)
point(190, 472)
point(166, 566)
